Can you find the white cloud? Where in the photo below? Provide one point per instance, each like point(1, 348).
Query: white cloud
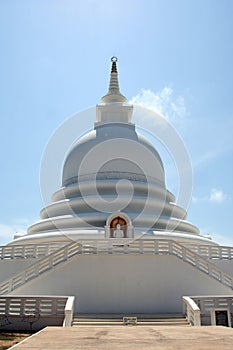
point(196, 199)
point(170, 106)
point(217, 196)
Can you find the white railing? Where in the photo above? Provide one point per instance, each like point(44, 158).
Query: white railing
point(191, 311)
point(206, 303)
point(113, 246)
point(27, 251)
point(44, 264)
point(35, 305)
point(69, 311)
point(212, 252)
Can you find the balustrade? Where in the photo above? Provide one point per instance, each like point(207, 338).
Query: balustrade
point(111, 246)
point(38, 306)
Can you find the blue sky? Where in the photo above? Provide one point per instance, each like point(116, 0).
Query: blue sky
point(175, 55)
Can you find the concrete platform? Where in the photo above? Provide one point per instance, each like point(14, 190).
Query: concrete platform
point(130, 338)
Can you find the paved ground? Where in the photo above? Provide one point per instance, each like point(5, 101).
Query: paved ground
point(130, 338)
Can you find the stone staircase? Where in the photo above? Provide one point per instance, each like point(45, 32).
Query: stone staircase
point(133, 319)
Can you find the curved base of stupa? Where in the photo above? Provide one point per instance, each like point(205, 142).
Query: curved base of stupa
point(95, 234)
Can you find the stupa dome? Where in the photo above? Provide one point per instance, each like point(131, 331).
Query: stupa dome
point(126, 166)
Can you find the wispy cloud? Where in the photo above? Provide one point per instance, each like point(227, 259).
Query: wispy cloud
point(215, 196)
point(165, 101)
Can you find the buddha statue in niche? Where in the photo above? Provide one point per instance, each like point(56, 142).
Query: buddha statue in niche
point(118, 233)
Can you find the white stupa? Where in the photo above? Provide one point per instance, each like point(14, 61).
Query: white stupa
point(113, 152)
point(113, 236)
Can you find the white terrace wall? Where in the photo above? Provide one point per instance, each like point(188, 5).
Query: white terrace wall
point(10, 267)
point(125, 283)
point(226, 265)
point(15, 259)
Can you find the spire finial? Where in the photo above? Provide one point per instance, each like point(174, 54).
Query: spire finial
point(114, 66)
point(113, 94)
point(113, 107)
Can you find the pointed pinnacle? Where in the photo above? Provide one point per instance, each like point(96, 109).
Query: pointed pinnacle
point(113, 94)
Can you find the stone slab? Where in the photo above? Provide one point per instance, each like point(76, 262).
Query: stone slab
point(130, 338)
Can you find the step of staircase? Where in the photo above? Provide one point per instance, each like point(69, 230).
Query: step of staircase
point(141, 320)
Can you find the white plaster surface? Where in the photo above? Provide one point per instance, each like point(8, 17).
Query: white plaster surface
point(11, 267)
point(125, 283)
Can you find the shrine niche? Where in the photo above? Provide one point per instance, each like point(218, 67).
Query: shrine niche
point(119, 226)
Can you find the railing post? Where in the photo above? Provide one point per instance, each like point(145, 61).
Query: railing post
point(229, 253)
point(35, 252)
point(24, 252)
point(222, 279)
point(188, 314)
point(96, 249)
point(36, 271)
point(184, 307)
point(14, 251)
point(184, 253)
point(220, 253)
point(69, 310)
point(170, 247)
point(141, 246)
point(193, 311)
point(65, 253)
point(54, 307)
point(38, 303)
point(22, 307)
point(10, 285)
point(7, 306)
point(197, 318)
point(50, 261)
